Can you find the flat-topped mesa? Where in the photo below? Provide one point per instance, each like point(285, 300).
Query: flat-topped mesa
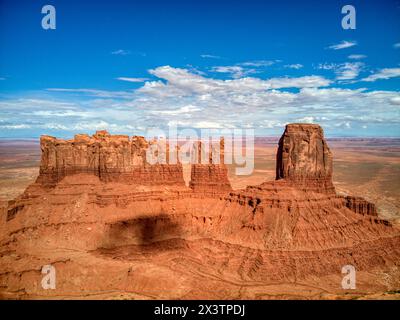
point(304, 158)
point(208, 171)
point(110, 157)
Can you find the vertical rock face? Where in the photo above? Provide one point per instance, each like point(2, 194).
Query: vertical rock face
point(361, 206)
point(304, 158)
point(110, 157)
point(121, 159)
point(208, 171)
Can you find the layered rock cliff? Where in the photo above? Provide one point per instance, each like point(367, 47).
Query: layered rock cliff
point(360, 205)
point(110, 157)
point(208, 171)
point(304, 158)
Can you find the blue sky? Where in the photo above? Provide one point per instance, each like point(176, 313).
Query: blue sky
point(126, 66)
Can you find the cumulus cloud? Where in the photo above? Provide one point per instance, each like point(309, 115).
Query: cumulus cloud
point(182, 81)
point(343, 45)
point(386, 73)
point(181, 96)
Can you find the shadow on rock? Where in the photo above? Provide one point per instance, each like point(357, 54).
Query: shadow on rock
point(142, 230)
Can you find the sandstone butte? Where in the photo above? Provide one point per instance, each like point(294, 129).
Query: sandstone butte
point(114, 226)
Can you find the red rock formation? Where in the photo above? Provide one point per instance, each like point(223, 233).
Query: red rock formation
point(286, 238)
point(211, 176)
point(304, 158)
point(110, 157)
point(360, 205)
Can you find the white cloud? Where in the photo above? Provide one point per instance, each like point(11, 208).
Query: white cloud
point(258, 63)
point(326, 66)
point(308, 119)
point(210, 56)
point(55, 126)
point(92, 125)
point(121, 52)
point(192, 100)
point(343, 124)
point(396, 45)
point(181, 83)
point(343, 45)
point(132, 79)
point(208, 125)
point(94, 92)
point(89, 126)
point(386, 73)
point(395, 100)
point(271, 124)
point(22, 104)
point(349, 70)
point(59, 113)
point(259, 103)
point(294, 66)
point(15, 127)
point(244, 69)
point(343, 71)
point(235, 71)
point(301, 82)
point(179, 111)
point(357, 56)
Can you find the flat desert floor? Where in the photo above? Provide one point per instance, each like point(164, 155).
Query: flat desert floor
point(365, 167)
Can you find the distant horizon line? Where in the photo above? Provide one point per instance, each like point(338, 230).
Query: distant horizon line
point(328, 137)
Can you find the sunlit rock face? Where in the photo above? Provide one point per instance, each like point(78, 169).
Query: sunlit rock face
point(304, 158)
point(110, 157)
